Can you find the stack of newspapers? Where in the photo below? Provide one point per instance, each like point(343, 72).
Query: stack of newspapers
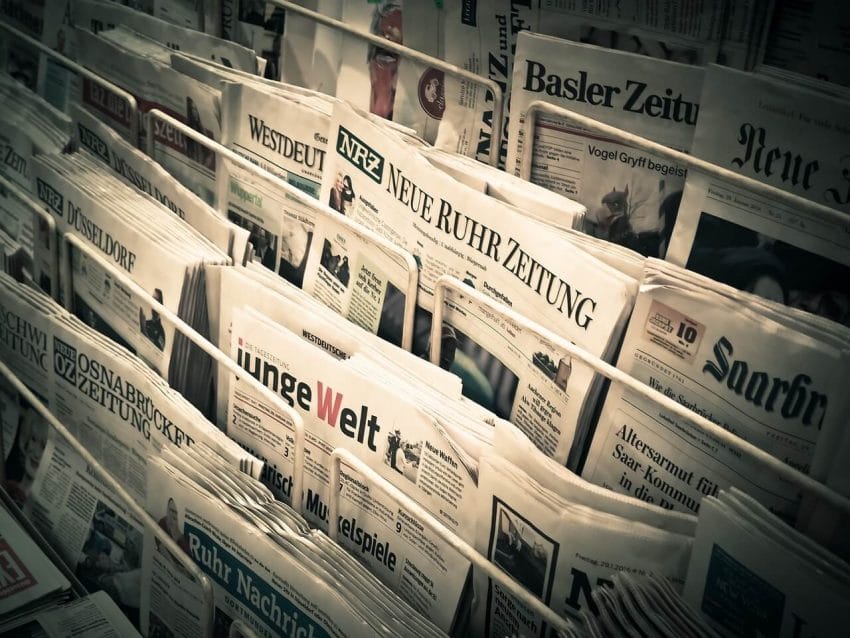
point(329, 362)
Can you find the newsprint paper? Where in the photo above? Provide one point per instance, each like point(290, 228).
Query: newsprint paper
point(631, 196)
point(782, 389)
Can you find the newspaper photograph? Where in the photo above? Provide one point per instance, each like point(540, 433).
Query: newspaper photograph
point(557, 551)
point(750, 240)
point(777, 132)
point(451, 229)
point(775, 387)
point(24, 440)
point(631, 196)
point(362, 277)
point(514, 371)
point(372, 422)
point(96, 614)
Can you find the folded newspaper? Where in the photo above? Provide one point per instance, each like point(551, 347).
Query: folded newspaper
point(631, 195)
point(96, 614)
point(557, 550)
point(771, 377)
point(794, 587)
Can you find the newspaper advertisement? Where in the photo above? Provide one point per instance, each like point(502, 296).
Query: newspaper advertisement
point(452, 229)
point(396, 439)
point(511, 369)
point(775, 249)
point(362, 277)
point(270, 589)
point(775, 387)
point(157, 85)
point(286, 137)
point(557, 550)
point(631, 195)
point(787, 594)
point(789, 136)
point(96, 535)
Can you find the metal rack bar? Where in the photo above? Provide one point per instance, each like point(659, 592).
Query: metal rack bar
point(120, 493)
point(804, 482)
point(417, 56)
point(222, 152)
point(132, 105)
point(340, 456)
point(71, 239)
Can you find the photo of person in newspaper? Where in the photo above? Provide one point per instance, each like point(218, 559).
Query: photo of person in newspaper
point(170, 524)
point(110, 560)
point(25, 454)
point(342, 194)
point(336, 264)
point(383, 64)
point(485, 379)
point(152, 328)
point(403, 456)
point(521, 550)
point(756, 263)
point(263, 241)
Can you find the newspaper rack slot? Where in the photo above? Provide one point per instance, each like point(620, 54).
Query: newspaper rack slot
point(797, 478)
point(71, 240)
point(812, 210)
point(119, 492)
point(222, 152)
point(416, 56)
point(339, 456)
point(130, 107)
point(47, 230)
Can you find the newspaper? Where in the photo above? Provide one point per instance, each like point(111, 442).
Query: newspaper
point(775, 386)
point(30, 580)
point(754, 241)
point(140, 171)
point(789, 594)
point(96, 535)
point(500, 251)
point(258, 26)
point(809, 39)
point(155, 85)
point(285, 136)
point(274, 580)
point(776, 132)
point(631, 195)
point(96, 615)
point(513, 369)
point(97, 15)
point(397, 439)
point(557, 550)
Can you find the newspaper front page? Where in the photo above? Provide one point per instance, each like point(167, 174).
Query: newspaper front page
point(533, 381)
point(631, 195)
point(96, 535)
point(777, 132)
point(754, 242)
point(452, 229)
point(788, 594)
point(776, 387)
point(556, 550)
point(395, 438)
